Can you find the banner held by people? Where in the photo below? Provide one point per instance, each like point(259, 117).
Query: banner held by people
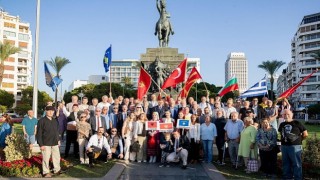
point(177, 76)
point(231, 85)
point(259, 89)
point(193, 77)
point(144, 83)
point(291, 90)
point(52, 82)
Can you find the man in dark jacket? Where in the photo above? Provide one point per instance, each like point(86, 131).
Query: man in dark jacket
point(181, 146)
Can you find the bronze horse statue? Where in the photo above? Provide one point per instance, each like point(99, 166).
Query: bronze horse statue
point(163, 27)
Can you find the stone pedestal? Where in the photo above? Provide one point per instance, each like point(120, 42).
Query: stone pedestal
point(169, 56)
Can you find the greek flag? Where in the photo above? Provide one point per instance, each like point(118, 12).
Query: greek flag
point(259, 89)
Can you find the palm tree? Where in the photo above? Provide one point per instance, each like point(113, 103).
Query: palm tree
point(271, 67)
point(57, 64)
point(127, 81)
point(6, 49)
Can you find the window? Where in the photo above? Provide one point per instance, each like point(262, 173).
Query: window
point(9, 33)
point(23, 37)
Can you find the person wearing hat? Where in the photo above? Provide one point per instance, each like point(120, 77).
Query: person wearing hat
point(49, 141)
point(246, 107)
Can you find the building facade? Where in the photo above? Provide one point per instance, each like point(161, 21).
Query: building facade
point(305, 43)
point(76, 84)
point(18, 67)
point(237, 65)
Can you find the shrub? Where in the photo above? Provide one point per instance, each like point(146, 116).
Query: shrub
point(311, 153)
point(27, 167)
point(17, 148)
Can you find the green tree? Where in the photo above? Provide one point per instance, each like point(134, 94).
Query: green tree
point(127, 81)
point(271, 67)
point(3, 109)
point(6, 99)
point(27, 96)
point(58, 63)
point(6, 49)
point(22, 109)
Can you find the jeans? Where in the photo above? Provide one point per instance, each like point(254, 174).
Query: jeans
point(233, 151)
point(207, 150)
point(31, 139)
point(291, 161)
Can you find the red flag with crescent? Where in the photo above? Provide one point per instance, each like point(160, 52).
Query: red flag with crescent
point(177, 76)
point(193, 77)
point(143, 83)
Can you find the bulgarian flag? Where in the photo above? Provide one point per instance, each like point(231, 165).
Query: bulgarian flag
point(231, 85)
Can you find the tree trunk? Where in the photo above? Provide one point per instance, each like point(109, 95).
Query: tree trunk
point(271, 88)
point(1, 72)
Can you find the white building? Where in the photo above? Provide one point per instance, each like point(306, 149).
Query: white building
point(125, 68)
point(305, 42)
point(237, 65)
point(76, 84)
point(18, 67)
point(97, 79)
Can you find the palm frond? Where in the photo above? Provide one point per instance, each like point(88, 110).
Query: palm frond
point(6, 49)
point(58, 63)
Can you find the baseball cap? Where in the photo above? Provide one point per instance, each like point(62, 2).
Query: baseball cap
point(50, 108)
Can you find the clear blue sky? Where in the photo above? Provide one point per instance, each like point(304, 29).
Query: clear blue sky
point(209, 29)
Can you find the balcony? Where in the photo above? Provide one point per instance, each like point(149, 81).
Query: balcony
point(22, 81)
point(22, 64)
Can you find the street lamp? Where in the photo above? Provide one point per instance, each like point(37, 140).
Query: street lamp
point(81, 95)
point(122, 84)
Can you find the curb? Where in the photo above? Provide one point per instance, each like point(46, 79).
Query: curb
point(116, 171)
point(212, 171)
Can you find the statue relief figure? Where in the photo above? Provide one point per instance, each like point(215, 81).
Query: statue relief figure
point(159, 72)
point(163, 26)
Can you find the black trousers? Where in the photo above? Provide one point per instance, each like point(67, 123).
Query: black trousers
point(102, 156)
point(220, 151)
point(268, 161)
point(194, 151)
point(72, 138)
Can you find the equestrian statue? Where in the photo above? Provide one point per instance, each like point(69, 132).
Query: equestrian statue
point(163, 26)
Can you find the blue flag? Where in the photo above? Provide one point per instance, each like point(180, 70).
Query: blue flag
point(47, 74)
point(107, 59)
point(52, 82)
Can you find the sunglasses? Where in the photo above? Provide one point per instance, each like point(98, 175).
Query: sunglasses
point(82, 117)
point(115, 108)
point(113, 131)
point(138, 107)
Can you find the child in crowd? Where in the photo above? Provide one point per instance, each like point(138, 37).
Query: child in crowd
point(166, 147)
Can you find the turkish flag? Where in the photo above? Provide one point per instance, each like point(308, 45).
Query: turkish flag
point(193, 77)
point(143, 83)
point(177, 76)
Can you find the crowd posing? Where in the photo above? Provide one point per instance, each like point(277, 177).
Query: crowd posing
point(116, 128)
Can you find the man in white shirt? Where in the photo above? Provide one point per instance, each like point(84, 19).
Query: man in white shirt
point(98, 147)
point(104, 102)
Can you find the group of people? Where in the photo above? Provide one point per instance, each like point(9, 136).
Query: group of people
point(116, 128)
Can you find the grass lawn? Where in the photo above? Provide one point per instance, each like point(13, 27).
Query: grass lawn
point(83, 171)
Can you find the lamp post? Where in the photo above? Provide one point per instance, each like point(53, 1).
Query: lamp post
point(122, 84)
point(81, 95)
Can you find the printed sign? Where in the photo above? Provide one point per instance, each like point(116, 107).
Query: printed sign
point(183, 123)
point(165, 127)
point(152, 125)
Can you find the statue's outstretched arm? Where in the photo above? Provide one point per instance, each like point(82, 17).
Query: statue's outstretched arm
point(158, 6)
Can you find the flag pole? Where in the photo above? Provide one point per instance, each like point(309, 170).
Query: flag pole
point(110, 92)
point(160, 90)
point(36, 61)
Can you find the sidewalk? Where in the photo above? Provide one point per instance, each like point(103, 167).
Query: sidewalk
point(147, 171)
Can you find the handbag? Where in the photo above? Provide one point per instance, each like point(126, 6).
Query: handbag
point(135, 147)
point(253, 165)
